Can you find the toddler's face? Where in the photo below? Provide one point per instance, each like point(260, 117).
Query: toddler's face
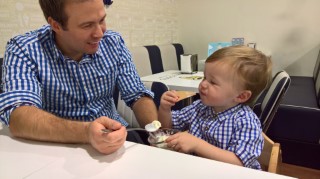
point(219, 88)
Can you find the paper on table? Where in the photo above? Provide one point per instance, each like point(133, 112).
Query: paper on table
point(191, 77)
point(185, 94)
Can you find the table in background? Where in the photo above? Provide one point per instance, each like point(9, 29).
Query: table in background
point(175, 80)
point(31, 159)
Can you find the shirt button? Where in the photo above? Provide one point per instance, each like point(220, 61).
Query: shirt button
point(206, 128)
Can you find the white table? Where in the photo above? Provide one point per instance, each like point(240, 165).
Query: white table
point(30, 159)
point(177, 81)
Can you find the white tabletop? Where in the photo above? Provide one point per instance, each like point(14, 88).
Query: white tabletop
point(175, 80)
point(30, 159)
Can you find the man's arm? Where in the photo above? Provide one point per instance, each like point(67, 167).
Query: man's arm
point(32, 123)
point(165, 117)
point(145, 111)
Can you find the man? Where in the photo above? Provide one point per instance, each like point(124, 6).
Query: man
point(58, 81)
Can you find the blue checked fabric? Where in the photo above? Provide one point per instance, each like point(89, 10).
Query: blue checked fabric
point(237, 129)
point(36, 73)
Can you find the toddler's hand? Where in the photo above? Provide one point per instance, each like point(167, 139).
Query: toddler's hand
point(183, 142)
point(169, 99)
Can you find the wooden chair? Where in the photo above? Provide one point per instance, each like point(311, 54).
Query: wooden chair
point(270, 158)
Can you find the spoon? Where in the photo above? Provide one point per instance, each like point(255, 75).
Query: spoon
point(150, 128)
point(131, 129)
point(128, 129)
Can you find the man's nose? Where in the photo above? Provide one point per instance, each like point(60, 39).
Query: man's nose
point(99, 31)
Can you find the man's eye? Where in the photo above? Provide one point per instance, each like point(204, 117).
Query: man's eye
point(87, 26)
point(102, 21)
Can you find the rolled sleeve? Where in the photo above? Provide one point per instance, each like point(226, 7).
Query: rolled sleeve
point(19, 81)
point(247, 142)
point(14, 99)
point(129, 82)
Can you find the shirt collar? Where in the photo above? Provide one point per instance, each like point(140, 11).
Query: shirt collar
point(221, 116)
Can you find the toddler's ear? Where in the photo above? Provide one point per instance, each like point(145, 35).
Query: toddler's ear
point(243, 96)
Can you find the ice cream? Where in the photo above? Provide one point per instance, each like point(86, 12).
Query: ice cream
point(161, 138)
point(152, 127)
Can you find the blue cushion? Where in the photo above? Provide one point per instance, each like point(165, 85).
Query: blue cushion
point(301, 92)
point(179, 51)
point(155, 58)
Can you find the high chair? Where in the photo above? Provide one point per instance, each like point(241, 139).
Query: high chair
point(270, 158)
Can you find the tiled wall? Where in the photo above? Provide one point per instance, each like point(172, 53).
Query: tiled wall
point(140, 22)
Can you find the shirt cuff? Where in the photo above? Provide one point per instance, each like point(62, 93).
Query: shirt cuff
point(131, 103)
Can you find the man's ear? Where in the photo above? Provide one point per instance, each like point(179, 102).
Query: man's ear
point(56, 27)
point(243, 96)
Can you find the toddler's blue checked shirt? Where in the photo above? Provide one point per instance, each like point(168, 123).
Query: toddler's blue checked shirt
point(237, 129)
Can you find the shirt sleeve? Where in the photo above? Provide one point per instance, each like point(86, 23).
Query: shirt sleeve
point(19, 82)
point(129, 82)
point(247, 140)
point(181, 119)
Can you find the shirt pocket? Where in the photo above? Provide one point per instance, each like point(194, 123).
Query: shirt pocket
point(105, 79)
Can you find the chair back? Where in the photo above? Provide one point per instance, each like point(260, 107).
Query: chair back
point(155, 58)
point(1, 61)
point(140, 57)
point(270, 158)
point(164, 57)
point(272, 98)
point(317, 86)
point(179, 51)
point(316, 69)
point(126, 112)
point(316, 78)
point(169, 57)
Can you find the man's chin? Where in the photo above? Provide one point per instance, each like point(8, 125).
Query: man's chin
point(92, 51)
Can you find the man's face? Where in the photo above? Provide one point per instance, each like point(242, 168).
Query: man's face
point(84, 28)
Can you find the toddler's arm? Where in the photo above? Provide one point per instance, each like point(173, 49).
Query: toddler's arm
point(168, 99)
point(187, 143)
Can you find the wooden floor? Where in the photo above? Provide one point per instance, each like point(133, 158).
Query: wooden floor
point(299, 172)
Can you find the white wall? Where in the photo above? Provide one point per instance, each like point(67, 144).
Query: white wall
point(140, 22)
point(144, 22)
point(289, 30)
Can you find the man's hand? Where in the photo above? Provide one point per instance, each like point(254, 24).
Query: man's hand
point(106, 143)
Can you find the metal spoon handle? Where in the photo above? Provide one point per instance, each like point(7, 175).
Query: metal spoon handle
point(128, 129)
